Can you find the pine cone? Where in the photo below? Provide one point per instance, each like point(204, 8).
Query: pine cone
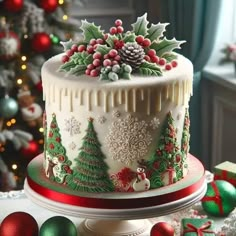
point(132, 54)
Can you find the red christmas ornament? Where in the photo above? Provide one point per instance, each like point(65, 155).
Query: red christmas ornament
point(13, 5)
point(162, 228)
point(39, 86)
point(41, 42)
point(19, 223)
point(31, 151)
point(48, 5)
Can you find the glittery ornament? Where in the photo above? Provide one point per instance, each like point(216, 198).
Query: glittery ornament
point(41, 42)
point(162, 228)
point(59, 226)
point(48, 5)
point(19, 223)
point(8, 107)
point(220, 198)
point(13, 5)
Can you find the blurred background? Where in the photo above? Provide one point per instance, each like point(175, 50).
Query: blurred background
point(31, 31)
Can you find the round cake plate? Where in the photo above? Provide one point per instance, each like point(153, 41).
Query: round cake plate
point(126, 221)
point(115, 222)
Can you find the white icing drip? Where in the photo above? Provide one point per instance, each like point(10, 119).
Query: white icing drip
point(148, 101)
point(105, 102)
point(167, 92)
point(172, 87)
point(142, 94)
point(134, 100)
point(126, 100)
point(66, 92)
point(96, 98)
point(158, 101)
point(60, 99)
point(112, 99)
point(88, 100)
point(71, 100)
point(120, 96)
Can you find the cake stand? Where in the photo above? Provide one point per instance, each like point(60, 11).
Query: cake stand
point(120, 214)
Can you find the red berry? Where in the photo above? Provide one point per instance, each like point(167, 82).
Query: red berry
point(139, 39)
point(162, 61)
point(97, 55)
point(106, 36)
point(151, 52)
point(117, 58)
point(174, 63)
point(147, 58)
point(107, 62)
point(118, 22)
point(120, 29)
point(87, 72)
point(90, 66)
point(168, 67)
point(146, 42)
point(155, 59)
point(97, 62)
point(113, 53)
point(69, 53)
point(106, 56)
point(92, 42)
point(100, 41)
point(74, 48)
point(90, 49)
point(114, 62)
point(65, 58)
point(94, 73)
point(113, 30)
point(81, 48)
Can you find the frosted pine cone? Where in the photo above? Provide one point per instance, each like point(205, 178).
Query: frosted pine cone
point(132, 54)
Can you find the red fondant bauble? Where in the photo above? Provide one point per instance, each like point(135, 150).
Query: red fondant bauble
point(19, 223)
point(162, 228)
point(13, 5)
point(31, 150)
point(41, 42)
point(48, 5)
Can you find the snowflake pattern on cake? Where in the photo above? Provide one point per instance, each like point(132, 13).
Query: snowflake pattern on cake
point(128, 139)
point(101, 119)
point(72, 126)
point(72, 146)
point(155, 122)
point(116, 114)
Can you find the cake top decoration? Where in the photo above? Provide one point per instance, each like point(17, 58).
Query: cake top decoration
point(115, 55)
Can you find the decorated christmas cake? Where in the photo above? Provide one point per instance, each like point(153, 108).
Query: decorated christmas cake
point(116, 110)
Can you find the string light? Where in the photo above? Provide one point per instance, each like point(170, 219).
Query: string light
point(40, 141)
point(8, 123)
point(61, 2)
point(19, 81)
point(14, 166)
point(23, 67)
point(41, 129)
point(13, 121)
point(23, 58)
point(65, 17)
point(26, 36)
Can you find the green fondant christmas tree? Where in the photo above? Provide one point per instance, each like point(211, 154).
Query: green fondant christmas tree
point(163, 164)
point(90, 173)
point(58, 165)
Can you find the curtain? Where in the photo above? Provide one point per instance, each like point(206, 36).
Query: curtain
point(196, 22)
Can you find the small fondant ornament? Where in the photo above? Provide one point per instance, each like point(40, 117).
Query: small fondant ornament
point(59, 226)
point(220, 198)
point(142, 183)
point(31, 111)
point(19, 223)
point(161, 229)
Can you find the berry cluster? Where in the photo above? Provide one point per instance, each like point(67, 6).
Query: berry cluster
point(144, 42)
point(117, 29)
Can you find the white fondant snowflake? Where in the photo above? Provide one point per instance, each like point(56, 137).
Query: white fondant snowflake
point(128, 139)
point(72, 126)
point(101, 119)
point(155, 122)
point(72, 146)
point(116, 114)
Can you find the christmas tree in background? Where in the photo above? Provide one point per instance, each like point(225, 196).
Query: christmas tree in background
point(163, 163)
point(90, 173)
point(30, 33)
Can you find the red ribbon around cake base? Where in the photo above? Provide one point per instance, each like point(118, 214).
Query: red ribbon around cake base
point(200, 231)
point(114, 203)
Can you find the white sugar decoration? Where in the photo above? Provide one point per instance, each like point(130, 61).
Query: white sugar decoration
point(72, 146)
point(128, 139)
point(229, 226)
point(116, 114)
point(72, 126)
point(101, 119)
point(155, 122)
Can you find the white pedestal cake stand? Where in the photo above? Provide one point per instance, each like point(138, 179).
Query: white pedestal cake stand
point(122, 221)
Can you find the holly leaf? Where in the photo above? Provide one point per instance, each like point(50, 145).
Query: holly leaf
point(91, 31)
point(82, 58)
point(103, 49)
point(67, 66)
point(169, 57)
point(166, 46)
point(140, 26)
point(110, 40)
point(155, 32)
point(78, 70)
point(129, 38)
point(148, 68)
point(67, 45)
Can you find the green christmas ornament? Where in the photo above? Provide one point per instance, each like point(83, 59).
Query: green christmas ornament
point(54, 39)
point(59, 226)
point(8, 107)
point(220, 198)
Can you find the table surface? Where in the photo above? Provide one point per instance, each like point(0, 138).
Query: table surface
point(17, 201)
